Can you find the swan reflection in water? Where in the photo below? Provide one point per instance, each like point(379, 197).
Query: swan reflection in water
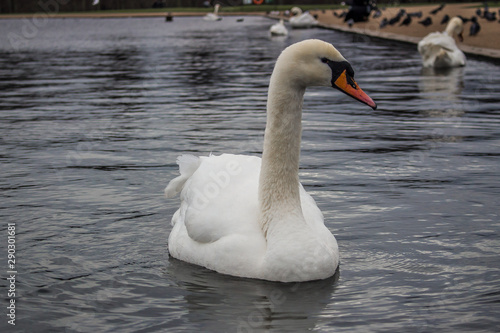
point(448, 82)
point(233, 304)
point(443, 87)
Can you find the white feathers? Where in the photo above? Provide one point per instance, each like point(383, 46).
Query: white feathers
point(301, 20)
point(278, 29)
point(439, 49)
point(250, 217)
point(187, 166)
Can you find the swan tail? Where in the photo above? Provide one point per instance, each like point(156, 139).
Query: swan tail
point(430, 54)
point(442, 58)
point(188, 164)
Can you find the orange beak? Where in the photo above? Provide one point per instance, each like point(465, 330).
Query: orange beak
point(348, 86)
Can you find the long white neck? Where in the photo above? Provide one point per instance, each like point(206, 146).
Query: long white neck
point(279, 180)
point(454, 27)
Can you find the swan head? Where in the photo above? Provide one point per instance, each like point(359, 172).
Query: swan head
point(317, 63)
point(296, 11)
point(455, 28)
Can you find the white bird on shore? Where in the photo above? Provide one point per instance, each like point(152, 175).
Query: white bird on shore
point(279, 29)
point(213, 16)
point(439, 49)
point(301, 20)
point(250, 217)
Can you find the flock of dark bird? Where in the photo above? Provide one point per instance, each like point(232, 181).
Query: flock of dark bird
point(405, 18)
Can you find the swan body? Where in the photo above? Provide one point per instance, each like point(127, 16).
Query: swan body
point(301, 20)
point(278, 29)
point(217, 225)
point(248, 216)
point(439, 49)
point(213, 16)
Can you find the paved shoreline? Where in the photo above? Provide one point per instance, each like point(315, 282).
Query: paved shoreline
point(486, 43)
point(474, 50)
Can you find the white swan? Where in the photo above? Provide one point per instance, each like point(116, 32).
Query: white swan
point(439, 50)
point(278, 29)
point(250, 217)
point(213, 16)
point(301, 20)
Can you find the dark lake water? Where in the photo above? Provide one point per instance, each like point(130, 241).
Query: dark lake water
point(94, 112)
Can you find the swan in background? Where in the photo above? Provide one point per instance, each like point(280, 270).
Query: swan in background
point(213, 16)
point(250, 217)
point(279, 29)
point(439, 50)
point(301, 20)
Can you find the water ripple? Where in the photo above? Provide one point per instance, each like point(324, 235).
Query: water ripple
point(95, 112)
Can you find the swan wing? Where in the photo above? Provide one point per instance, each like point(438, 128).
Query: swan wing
point(278, 29)
point(303, 20)
point(440, 50)
point(188, 164)
point(315, 220)
point(220, 198)
point(217, 224)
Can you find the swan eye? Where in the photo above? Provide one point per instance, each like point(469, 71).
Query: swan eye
point(324, 60)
